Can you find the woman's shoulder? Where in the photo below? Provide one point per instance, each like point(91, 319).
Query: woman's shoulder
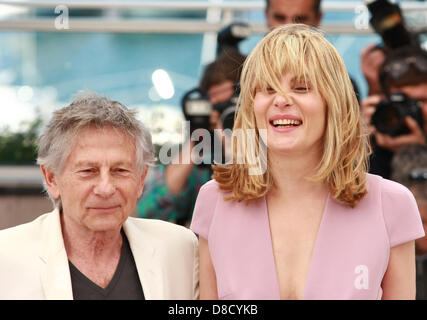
point(211, 184)
point(399, 210)
point(382, 185)
point(212, 187)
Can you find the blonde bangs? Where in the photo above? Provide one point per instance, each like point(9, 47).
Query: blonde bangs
point(267, 64)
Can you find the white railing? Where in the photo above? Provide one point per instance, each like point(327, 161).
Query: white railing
point(191, 5)
point(223, 13)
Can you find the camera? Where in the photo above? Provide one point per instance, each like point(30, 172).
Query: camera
point(418, 174)
point(387, 20)
point(389, 116)
point(197, 109)
point(227, 109)
point(229, 37)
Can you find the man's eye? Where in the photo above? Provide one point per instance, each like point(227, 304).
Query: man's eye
point(279, 17)
point(88, 171)
point(300, 19)
point(121, 170)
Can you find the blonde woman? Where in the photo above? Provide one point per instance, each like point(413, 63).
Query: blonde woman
point(314, 225)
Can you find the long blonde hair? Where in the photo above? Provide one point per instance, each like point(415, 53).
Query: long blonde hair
point(304, 52)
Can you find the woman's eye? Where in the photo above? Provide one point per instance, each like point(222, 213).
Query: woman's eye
point(302, 88)
point(270, 90)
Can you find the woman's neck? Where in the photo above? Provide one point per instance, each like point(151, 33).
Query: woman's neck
point(290, 173)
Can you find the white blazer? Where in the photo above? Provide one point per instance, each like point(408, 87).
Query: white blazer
point(34, 263)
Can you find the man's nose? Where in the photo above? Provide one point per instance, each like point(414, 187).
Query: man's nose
point(105, 185)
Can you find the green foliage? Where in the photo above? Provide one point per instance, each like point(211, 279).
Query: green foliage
point(20, 147)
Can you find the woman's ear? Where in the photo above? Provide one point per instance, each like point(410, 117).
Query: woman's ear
point(51, 183)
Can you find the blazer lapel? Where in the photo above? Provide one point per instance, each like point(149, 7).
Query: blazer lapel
point(150, 268)
point(55, 273)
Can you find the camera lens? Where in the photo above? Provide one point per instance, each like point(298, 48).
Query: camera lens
point(387, 119)
point(389, 116)
point(227, 117)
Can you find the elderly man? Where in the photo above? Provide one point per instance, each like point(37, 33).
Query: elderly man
point(94, 156)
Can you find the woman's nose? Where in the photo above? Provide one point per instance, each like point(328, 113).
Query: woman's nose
point(282, 100)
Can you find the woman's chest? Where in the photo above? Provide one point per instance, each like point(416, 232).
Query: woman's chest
point(293, 232)
point(347, 260)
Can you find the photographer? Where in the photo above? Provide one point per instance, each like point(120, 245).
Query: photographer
point(387, 20)
point(174, 189)
point(404, 71)
point(410, 169)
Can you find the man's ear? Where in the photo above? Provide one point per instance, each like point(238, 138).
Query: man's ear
point(142, 181)
point(51, 183)
point(319, 17)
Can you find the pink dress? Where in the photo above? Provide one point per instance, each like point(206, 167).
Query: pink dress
point(351, 252)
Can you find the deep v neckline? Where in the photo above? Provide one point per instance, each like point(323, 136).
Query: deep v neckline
point(315, 248)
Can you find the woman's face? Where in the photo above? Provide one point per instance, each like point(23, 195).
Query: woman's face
point(295, 124)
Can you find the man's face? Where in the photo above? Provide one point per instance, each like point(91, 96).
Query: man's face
point(292, 11)
point(100, 182)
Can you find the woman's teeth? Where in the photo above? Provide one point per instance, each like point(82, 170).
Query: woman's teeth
point(286, 122)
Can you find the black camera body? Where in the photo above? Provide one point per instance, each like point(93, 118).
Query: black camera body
point(418, 174)
point(228, 108)
point(229, 37)
point(389, 116)
point(197, 109)
point(387, 20)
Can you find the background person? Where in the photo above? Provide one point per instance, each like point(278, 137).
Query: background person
point(410, 169)
point(279, 12)
point(405, 71)
point(389, 23)
point(315, 225)
point(172, 194)
point(94, 156)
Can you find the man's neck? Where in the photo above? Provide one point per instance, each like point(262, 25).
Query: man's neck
point(95, 254)
point(84, 244)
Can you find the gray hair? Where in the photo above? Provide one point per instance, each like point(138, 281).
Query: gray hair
point(90, 109)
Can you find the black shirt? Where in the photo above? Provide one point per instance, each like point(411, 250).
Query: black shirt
point(380, 162)
point(124, 285)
